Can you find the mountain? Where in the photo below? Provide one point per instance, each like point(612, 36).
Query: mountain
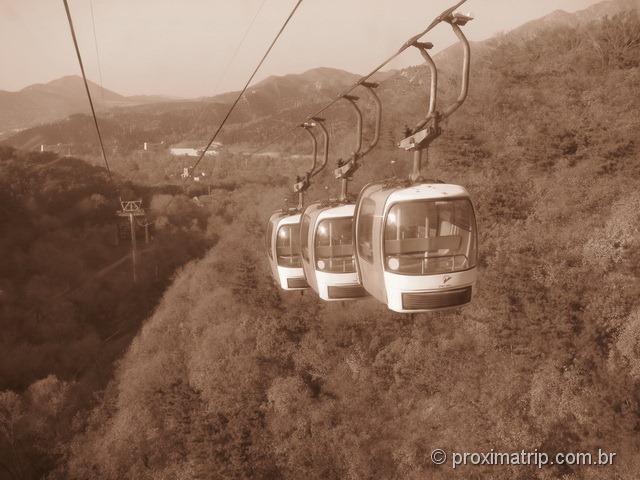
point(288, 91)
point(561, 18)
point(171, 121)
point(557, 18)
point(47, 102)
point(268, 106)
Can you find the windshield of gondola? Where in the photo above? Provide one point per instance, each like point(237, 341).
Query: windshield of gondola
point(334, 245)
point(429, 237)
point(288, 246)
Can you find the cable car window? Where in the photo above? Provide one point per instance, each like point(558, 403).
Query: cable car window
point(430, 237)
point(304, 236)
point(334, 245)
point(269, 239)
point(365, 229)
point(288, 246)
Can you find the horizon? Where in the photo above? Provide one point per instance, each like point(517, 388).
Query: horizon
point(127, 63)
point(93, 82)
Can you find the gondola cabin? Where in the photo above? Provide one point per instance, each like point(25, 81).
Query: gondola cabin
point(416, 246)
point(328, 257)
point(283, 249)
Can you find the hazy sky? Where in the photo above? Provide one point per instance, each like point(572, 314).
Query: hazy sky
point(181, 47)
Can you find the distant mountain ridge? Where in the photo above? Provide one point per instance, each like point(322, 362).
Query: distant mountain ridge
point(589, 14)
point(285, 91)
point(184, 116)
point(557, 18)
point(47, 102)
point(285, 96)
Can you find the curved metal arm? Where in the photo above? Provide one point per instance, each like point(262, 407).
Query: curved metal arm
point(376, 135)
point(352, 100)
point(303, 183)
point(433, 91)
point(464, 90)
point(423, 134)
point(307, 128)
point(325, 157)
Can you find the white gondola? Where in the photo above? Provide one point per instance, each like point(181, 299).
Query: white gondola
point(416, 246)
point(283, 229)
point(328, 257)
point(416, 240)
point(283, 247)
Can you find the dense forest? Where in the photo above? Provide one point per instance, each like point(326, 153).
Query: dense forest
point(67, 302)
point(230, 378)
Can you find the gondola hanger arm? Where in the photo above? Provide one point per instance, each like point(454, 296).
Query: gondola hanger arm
point(429, 128)
point(456, 21)
point(307, 126)
point(371, 86)
point(318, 121)
point(346, 169)
point(303, 184)
point(352, 99)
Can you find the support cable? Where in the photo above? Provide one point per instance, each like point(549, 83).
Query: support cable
point(244, 89)
point(239, 46)
point(95, 43)
point(86, 86)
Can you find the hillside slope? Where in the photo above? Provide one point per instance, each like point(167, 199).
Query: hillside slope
point(232, 379)
point(68, 306)
point(560, 18)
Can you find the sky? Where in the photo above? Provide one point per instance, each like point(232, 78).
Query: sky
point(185, 48)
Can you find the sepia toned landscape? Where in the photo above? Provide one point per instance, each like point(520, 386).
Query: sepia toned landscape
point(204, 369)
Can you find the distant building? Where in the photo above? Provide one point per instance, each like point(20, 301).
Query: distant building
point(152, 147)
point(59, 148)
point(194, 148)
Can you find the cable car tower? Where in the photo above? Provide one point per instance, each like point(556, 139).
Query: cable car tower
point(132, 209)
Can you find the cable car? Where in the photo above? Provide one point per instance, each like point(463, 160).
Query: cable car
point(326, 232)
point(328, 259)
point(416, 240)
point(416, 246)
point(283, 248)
point(283, 229)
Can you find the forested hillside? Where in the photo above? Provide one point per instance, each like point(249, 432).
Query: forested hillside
point(231, 378)
point(68, 307)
